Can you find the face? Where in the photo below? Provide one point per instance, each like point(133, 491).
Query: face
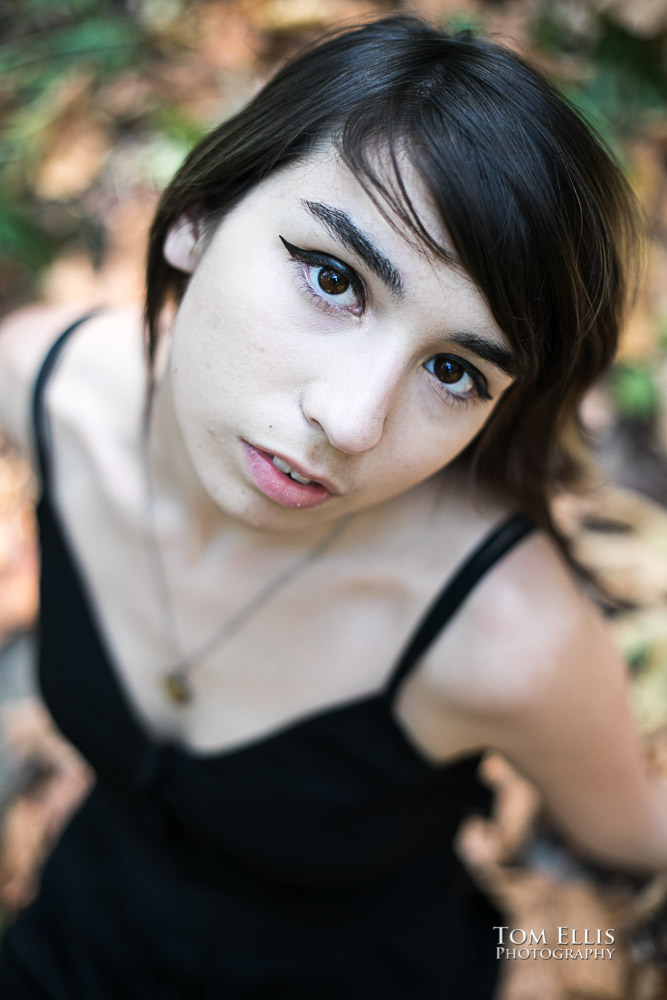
point(322, 364)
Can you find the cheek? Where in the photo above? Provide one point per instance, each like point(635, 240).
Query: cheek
point(421, 444)
point(248, 314)
point(229, 358)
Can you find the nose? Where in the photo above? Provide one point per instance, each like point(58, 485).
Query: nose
point(351, 403)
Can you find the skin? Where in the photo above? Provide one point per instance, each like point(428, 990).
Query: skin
point(526, 666)
point(342, 382)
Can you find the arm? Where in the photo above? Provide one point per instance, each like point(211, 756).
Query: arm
point(552, 696)
point(574, 737)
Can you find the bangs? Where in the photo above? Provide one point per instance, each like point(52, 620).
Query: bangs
point(529, 203)
point(378, 159)
point(512, 175)
point(488, 197)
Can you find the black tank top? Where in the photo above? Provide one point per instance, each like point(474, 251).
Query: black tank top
point(314, 862)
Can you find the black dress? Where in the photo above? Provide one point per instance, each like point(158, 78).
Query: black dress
point(314, 863)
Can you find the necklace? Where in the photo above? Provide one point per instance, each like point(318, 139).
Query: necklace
point(176, 680)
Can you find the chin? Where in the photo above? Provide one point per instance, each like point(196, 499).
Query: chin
point(261, 514)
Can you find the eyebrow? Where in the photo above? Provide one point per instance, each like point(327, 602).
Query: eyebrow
point(496, 354)
point(344, 230)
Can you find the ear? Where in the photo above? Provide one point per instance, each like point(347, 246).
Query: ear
point(182, 248)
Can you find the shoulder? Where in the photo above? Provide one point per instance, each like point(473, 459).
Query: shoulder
point(102, 364)
point(526, 634)
point(550, 691)
point(25, 337)
point(525, 666)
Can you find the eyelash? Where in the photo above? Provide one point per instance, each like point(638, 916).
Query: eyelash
point(311, 258)
point(479, 390)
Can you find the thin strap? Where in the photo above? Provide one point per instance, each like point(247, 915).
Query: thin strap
point(40, 423)
point(499, 541)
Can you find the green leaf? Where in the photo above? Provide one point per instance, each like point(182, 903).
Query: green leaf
point(463, 20)
point(635, 392)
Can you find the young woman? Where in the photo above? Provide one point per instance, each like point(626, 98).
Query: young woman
point(292, 590)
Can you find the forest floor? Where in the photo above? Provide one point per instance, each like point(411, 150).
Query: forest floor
point(88, 143)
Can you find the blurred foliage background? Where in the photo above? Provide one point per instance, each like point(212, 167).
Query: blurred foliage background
point(100, 100)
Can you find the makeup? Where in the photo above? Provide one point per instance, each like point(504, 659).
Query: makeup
point(278, 485)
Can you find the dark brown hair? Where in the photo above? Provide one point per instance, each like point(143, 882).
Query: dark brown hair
point(538, 212)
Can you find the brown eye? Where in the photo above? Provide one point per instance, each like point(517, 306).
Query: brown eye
point(456, 378)
point(447, 370)
point(332, 282)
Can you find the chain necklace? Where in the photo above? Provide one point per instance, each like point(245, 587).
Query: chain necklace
point(176, 680)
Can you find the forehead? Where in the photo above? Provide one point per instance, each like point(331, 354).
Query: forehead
point(323, 198)
point(326, 172)
point(318, 205)
point(299, 201)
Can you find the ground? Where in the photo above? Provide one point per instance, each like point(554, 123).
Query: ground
point(101, 101)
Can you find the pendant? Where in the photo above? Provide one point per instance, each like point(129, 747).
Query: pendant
point(177, 687)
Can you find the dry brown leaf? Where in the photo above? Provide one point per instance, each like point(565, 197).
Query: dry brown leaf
point(19, 594)
point(645, 18)
point(18, 547)
point(632, 561)
point(35, 817)
point(227, 40)
point(532, 900)
point(30, 732)
point(73, 279)
point(73, 139)
point(277, 16)
point(73, 161)
point(30, 827)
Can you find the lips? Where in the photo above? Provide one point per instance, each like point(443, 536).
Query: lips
point(278, 485)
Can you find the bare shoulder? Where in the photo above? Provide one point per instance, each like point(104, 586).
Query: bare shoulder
point(526, 632)
point(526, 663)
point(102, 359)
point(543, 683)
point(25, 337)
